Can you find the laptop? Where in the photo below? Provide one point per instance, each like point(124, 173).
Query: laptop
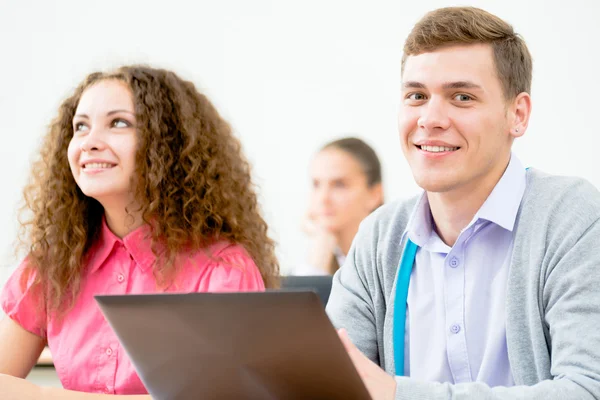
point(252, 345)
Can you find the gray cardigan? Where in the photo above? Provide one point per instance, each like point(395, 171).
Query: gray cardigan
point(553, 295)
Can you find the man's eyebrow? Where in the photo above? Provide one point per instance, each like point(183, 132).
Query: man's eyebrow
point(448, 85)
point(461, 85)
point(413, 85)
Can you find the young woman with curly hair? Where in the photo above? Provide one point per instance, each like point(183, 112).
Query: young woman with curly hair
point(141, 187)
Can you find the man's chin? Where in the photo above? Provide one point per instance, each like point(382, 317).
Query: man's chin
point(434, 183)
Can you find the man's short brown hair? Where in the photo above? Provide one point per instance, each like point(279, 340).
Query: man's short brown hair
point(469, 25)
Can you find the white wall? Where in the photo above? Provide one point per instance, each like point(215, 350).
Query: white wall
point(289, 75)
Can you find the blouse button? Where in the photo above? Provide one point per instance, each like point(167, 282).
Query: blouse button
point(109, 352)
point(120, 278)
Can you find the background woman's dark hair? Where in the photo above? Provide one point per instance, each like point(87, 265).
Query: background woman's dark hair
point(194, 186)
point(363, 153)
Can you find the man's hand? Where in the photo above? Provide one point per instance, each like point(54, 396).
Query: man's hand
point(380, 385)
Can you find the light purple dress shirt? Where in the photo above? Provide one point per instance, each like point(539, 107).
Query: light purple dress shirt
point(455, 322)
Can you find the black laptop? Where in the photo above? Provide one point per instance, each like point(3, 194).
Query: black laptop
point(254, 345)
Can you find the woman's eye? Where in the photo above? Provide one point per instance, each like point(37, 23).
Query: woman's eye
point(120, 123)
point(80, 126)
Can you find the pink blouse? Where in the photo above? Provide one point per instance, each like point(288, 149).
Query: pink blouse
point(86, 353)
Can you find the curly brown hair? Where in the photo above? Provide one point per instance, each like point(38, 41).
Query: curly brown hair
point(193, 186)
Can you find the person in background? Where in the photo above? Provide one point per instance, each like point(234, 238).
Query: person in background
point(485, 286)
point(346, 187)
point(140, 187)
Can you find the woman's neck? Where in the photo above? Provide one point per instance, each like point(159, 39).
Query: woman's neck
point(344, 239)
point(121, 222)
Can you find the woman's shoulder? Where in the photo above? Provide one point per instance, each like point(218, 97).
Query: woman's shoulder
point(22, 299)
point(219, 253)
point(223, 266)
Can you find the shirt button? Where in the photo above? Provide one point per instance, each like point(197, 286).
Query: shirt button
point(120, 278)
point(109, 352)
point(454, 262)
point(455, 328)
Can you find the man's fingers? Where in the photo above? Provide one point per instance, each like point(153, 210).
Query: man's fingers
point(357, 358)
point(346, 340)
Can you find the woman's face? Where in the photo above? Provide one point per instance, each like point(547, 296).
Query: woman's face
point(103, 147)
point(340, 197)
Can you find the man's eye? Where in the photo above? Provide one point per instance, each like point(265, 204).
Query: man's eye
point(463, 97)
point(416, 96)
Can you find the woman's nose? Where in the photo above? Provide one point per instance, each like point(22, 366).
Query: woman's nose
point(93, 141)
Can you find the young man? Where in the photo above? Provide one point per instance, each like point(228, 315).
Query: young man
point(487, 285)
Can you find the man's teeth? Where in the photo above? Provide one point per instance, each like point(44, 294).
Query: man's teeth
point(438, 149)
point(97, 165)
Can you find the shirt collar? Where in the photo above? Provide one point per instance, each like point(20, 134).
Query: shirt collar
point(137, 243)
point(503, 203)
point(420, 223)
point(500, 207)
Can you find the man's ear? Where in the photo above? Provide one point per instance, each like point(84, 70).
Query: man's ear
point(519, 115)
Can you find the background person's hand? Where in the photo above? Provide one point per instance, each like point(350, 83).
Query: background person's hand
point(379, 384)
point(322, 244)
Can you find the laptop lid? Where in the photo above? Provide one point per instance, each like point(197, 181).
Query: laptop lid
point(253, 345)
